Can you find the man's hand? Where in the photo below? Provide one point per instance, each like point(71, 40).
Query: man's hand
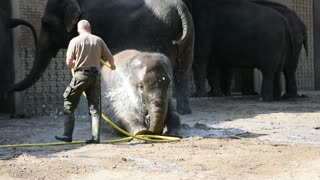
point(111, 62)
point(112, 66)
point(71, 62)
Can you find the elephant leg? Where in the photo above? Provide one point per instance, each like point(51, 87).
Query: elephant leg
point(200, 73)
point(172, 121)
point(277, 86)
point(291, 85)
point(182, 93)
point(183, 104)
point(214, 80)
point(183, 80)
point(247, 82)
point(267, 86)
point(226, 81)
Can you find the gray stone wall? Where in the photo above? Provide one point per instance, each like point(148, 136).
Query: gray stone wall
point(45, 97)
point(305, 72)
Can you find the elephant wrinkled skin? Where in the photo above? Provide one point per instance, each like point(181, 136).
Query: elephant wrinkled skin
point(137, 95)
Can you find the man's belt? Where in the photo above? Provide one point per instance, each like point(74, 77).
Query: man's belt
point(91, 69)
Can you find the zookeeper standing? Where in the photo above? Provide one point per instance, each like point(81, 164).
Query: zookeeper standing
point(84, 54)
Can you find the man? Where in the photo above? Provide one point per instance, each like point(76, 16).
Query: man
point(83, 54)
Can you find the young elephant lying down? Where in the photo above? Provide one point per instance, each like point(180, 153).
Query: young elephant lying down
point(137, 95)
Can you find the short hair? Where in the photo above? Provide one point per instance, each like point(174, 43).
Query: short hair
point(84, 25)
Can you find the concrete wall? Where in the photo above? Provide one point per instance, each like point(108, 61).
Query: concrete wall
point(306, 72)
point(45, 97)
point(316, 40)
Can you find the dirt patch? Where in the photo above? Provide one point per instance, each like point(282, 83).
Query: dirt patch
point(224, 138)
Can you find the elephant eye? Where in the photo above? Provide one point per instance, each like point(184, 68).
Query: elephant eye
point(50, 22)
point(45, 23)
point(140, 86)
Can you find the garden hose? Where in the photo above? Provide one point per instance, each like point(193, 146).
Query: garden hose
point(147, 138)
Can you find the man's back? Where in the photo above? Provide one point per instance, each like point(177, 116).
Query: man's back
point(86, 49)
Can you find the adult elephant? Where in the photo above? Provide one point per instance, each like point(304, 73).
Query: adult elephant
point(238, 33)
point(299, 39)
point(147, 25)
point(219, 84)
point(137, 96)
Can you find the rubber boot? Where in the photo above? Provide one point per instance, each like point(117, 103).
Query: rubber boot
point(68, 129)
point(95, 128)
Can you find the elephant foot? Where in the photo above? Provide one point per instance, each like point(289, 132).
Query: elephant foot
point(183, 106)
point(172, 121)
point(215, 93)
point(303, 96)
point(200, 93)
point(267, 98)
point(293, 96)
point(227, 94)
point(184, 110)
point(249, 93)
point(143, 132)
point(278, 98)
point(173, 133)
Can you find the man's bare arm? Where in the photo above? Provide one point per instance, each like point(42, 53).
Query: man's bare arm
point(108, 56)
point(70, 57)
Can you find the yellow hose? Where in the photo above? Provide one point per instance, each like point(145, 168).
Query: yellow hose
point(148, 138)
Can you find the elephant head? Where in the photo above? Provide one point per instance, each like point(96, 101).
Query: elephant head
point(57, 28)
point(153, 81)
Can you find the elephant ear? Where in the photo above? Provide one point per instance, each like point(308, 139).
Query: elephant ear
point(72, 14)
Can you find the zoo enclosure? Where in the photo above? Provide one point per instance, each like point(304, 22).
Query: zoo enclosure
point(45, 97)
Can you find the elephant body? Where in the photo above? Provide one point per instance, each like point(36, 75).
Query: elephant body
point(137, 95)
point(299, 38)
point(220, 86)
point(239, 34)
point(4, 30)
point(164, 26)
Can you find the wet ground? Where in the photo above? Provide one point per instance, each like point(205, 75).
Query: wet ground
point(228, 137)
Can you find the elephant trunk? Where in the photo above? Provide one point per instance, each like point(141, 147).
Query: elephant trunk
point(12, 23)
point(157, 117)
point(44, 54)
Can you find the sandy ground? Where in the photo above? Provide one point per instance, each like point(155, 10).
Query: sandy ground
point(225, 138)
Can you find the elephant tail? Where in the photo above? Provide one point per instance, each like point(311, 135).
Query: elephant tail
point(12, 23)
point(187, 25)
point(290, 42)
point(305, 41)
